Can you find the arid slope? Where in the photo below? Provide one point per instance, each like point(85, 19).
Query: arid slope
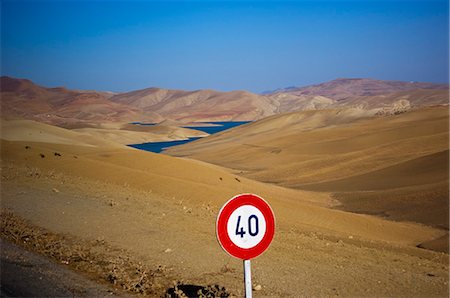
point(347, 153)
point(144, 170)
point(162, 211)
point(22, 99)
point(345, 88)
point(200, 105)
point(382, 97)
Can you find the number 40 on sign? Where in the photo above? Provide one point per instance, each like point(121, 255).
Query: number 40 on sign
point(245, 228)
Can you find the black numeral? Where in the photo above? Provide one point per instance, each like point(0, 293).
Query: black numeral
point(239, 231)
point(250, 230)
point(253, 226)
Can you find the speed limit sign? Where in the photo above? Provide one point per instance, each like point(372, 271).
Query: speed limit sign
point(245, 226)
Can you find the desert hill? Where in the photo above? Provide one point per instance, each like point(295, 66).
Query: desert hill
point(106, 136)
point(161, 211)
point(346, 152)
point(397, 102)
point(157, 213)
point(108, 161)
point(200, 105)
point(383, 97)
point(22, 99)
point(205, 105)
point(127, 134)
point(18, 130)
point(344, 88)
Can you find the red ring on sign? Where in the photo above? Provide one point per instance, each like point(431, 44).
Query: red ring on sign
point(224, 216)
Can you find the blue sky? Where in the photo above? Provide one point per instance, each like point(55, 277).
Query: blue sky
point(233, 45)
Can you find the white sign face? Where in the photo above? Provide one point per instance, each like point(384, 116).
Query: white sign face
point(246, 226)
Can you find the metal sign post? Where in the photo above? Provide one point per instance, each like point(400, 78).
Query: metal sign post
point(245, 227)
point(247, 279)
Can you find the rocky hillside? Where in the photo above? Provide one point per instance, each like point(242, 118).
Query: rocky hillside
point(340, 89)
point(380, 96)
point(22, 99)
point(200, 105)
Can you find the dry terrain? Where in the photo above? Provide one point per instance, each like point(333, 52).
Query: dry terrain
point(200, 105)
point(356, 171)
point(345, 88)
point(145, 222)
point(391, 166)
point(23, 99)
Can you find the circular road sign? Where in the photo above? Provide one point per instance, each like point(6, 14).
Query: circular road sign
point(245, 226)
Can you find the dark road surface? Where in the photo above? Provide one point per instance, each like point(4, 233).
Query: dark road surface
point(26, 274)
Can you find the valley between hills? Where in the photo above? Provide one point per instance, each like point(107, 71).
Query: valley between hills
point(356, 171)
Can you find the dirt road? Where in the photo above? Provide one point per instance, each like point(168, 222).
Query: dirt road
point(27, 274)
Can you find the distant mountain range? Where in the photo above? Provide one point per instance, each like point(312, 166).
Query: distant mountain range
point(21, 98)
point(343, 88)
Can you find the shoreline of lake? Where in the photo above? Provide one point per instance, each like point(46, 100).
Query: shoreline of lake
point(209, 128)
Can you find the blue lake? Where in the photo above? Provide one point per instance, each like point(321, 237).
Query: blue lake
point(146, 124)
point(220, 126)
point(158, 147)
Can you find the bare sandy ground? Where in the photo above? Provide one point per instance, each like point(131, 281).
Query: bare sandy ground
point(395, 166)
point(160, 211)
point(109, 135)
